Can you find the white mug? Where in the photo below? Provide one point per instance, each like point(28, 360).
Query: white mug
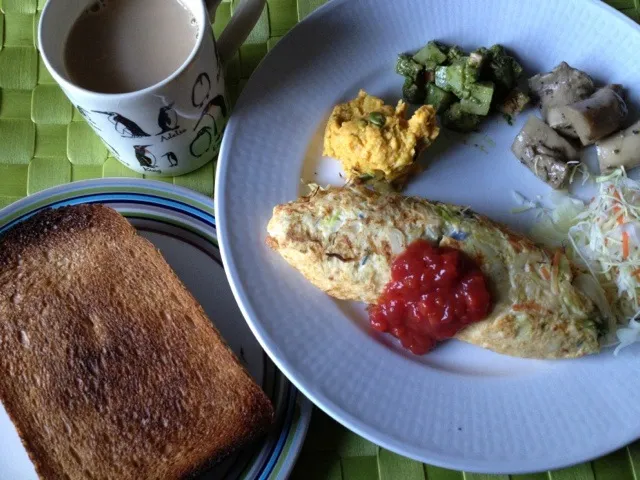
point(174, 126)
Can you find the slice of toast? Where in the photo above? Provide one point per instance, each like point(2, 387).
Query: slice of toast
point(109, 368)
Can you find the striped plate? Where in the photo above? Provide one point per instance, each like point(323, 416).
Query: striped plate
point(182, 225)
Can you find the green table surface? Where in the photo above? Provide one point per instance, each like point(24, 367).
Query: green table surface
point(44, 142)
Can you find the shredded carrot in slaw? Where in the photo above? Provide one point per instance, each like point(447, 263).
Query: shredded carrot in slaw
point(625, 245)
point(555, 269)
point(529, 306)
point(620, 220)
point(547, 276)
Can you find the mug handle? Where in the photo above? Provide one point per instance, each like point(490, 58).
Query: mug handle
point(244, 18)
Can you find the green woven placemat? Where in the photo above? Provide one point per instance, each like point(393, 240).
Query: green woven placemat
point(44, 142)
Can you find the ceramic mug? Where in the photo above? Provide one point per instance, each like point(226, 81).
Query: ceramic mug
point(174, 126)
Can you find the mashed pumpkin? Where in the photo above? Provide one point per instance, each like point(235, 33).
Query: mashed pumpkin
point(375, 142)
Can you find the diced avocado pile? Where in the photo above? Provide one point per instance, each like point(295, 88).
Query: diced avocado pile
point(462, 88)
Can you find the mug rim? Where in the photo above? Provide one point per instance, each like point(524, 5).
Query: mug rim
point(67, 84)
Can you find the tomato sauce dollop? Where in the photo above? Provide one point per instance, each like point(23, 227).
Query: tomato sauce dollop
point(433, 293)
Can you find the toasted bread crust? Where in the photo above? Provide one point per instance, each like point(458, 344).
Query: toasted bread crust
point(109, 368)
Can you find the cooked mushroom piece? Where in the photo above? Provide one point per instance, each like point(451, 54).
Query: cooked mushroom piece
point(544, 152)
point(558, 121)
point(562, 86)
point(622, 149)
point(593, 118)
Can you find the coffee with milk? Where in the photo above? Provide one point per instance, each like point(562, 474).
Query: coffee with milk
point(119, 46)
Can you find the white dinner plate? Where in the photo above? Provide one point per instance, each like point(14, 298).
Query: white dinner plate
point(181, 224)
point(460, 406)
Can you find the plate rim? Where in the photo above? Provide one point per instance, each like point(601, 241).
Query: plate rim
point(295, 403)
point(319, 399)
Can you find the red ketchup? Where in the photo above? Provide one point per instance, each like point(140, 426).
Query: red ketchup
point(433, 293)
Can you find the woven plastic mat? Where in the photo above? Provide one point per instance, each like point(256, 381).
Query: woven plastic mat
point(45, 142)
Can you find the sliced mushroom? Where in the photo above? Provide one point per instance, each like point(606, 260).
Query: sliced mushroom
point(544, 152)
point(593, 118)
point(622, 149)
point(562, 86)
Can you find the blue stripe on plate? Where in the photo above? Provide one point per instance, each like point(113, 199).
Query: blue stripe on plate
point(266, 471)
point(142, 199)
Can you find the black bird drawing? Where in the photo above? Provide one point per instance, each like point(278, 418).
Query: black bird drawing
point(144, 156)
point(167, 119)
point(200, 90)
point(87, 117)
point(125, 127)
point(173, 159)
point(217, 101)
point(201, 143)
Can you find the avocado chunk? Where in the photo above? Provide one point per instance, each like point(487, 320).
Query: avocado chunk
point(451, 79)
point(438, 98)
point(471, 67)
point(505, 70)
point(459, 77)
point(413, 92)
point(407, 67)
point(456, 119)
point(454, 52)
point(479, 100)
point(430, 56)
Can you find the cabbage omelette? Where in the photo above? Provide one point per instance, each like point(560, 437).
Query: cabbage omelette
point(344, 240)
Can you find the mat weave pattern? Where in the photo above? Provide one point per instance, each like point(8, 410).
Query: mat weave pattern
point(44, 142)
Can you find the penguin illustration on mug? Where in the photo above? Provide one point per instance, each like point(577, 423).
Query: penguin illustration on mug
point(125, 127)
point(172, 158)
point(167, 119)
point(145, 158)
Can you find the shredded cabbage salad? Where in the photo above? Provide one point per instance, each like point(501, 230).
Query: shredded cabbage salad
point(606, 240)
point(603, 237)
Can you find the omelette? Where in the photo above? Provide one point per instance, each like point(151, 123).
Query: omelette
point(375, 143)
point(344, 240)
